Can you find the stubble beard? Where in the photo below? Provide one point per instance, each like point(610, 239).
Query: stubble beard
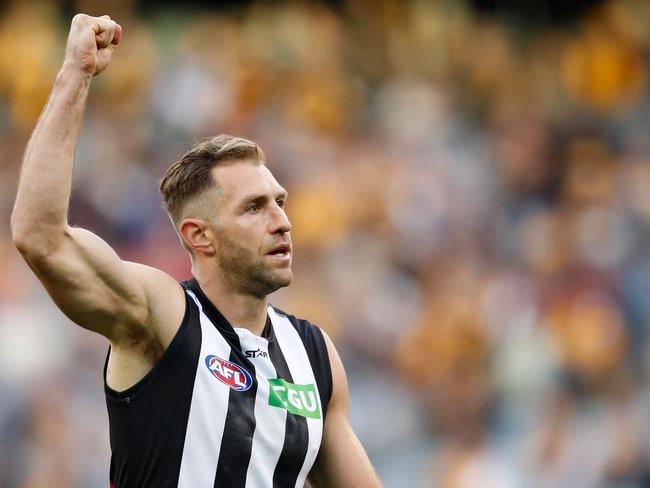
point(247, 272)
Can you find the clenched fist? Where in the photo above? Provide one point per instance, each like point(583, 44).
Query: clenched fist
point(91, 42)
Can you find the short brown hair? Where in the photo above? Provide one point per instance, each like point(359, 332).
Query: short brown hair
point(192, 173)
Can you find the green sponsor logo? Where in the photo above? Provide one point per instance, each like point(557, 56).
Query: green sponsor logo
point(298, 399)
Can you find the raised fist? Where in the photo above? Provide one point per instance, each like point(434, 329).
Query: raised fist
point(91, 42)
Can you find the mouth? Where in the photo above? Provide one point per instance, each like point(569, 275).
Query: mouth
point(280, 252)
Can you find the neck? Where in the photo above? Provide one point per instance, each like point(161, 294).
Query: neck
point(240, 309)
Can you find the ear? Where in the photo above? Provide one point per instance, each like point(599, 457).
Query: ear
point(194, 233)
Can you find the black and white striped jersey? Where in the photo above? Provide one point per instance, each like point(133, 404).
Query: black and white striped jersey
point(223, 407)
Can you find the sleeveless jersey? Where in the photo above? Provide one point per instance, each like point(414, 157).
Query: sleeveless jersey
point(223, 407)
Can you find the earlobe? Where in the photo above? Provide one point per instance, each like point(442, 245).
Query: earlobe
point(195, 236)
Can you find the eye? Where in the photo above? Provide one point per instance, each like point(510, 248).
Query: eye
point(281, 202)
point(253, 208)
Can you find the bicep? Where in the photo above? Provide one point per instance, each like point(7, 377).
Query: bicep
point(342, 460)
point(91, 285)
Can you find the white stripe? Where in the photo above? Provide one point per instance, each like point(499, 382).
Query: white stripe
point(209, 401)
point(268, 437)
point(302, 374)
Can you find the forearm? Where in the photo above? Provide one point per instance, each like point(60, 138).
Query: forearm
point(42, 201)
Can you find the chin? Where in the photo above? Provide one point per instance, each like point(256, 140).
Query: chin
point(285, 280)
point(274, 282)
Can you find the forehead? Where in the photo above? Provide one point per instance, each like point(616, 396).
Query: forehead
point(241, 179)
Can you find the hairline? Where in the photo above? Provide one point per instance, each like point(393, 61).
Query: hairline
point(213, 187)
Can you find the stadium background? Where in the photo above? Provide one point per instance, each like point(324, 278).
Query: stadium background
point(470, 195)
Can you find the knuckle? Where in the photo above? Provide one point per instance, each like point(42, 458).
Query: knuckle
point(79, 18)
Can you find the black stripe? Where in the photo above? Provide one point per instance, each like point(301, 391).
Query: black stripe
point(237, 440)
point(314, 342)
point(296, 433)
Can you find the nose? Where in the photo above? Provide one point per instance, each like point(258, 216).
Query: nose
point(280, 223)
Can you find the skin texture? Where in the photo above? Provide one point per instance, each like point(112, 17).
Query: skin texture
point(139, 308)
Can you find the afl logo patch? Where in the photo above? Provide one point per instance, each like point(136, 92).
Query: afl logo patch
point(229, 373)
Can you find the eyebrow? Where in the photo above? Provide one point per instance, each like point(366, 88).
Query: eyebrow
point(257, 198)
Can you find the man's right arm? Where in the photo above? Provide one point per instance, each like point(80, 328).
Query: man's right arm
point(82, 274)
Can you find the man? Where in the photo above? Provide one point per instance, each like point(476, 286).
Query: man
point(206, 384)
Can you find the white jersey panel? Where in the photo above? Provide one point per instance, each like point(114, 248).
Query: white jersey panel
point(202, 441)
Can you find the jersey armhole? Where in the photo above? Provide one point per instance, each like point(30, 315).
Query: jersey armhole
point(158, 367)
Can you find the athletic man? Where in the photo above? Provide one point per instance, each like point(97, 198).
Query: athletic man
point(206, 384)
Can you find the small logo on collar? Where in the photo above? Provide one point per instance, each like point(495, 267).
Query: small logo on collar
point(257, 353)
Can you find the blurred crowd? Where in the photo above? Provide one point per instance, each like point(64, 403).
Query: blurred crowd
point(470, 202)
